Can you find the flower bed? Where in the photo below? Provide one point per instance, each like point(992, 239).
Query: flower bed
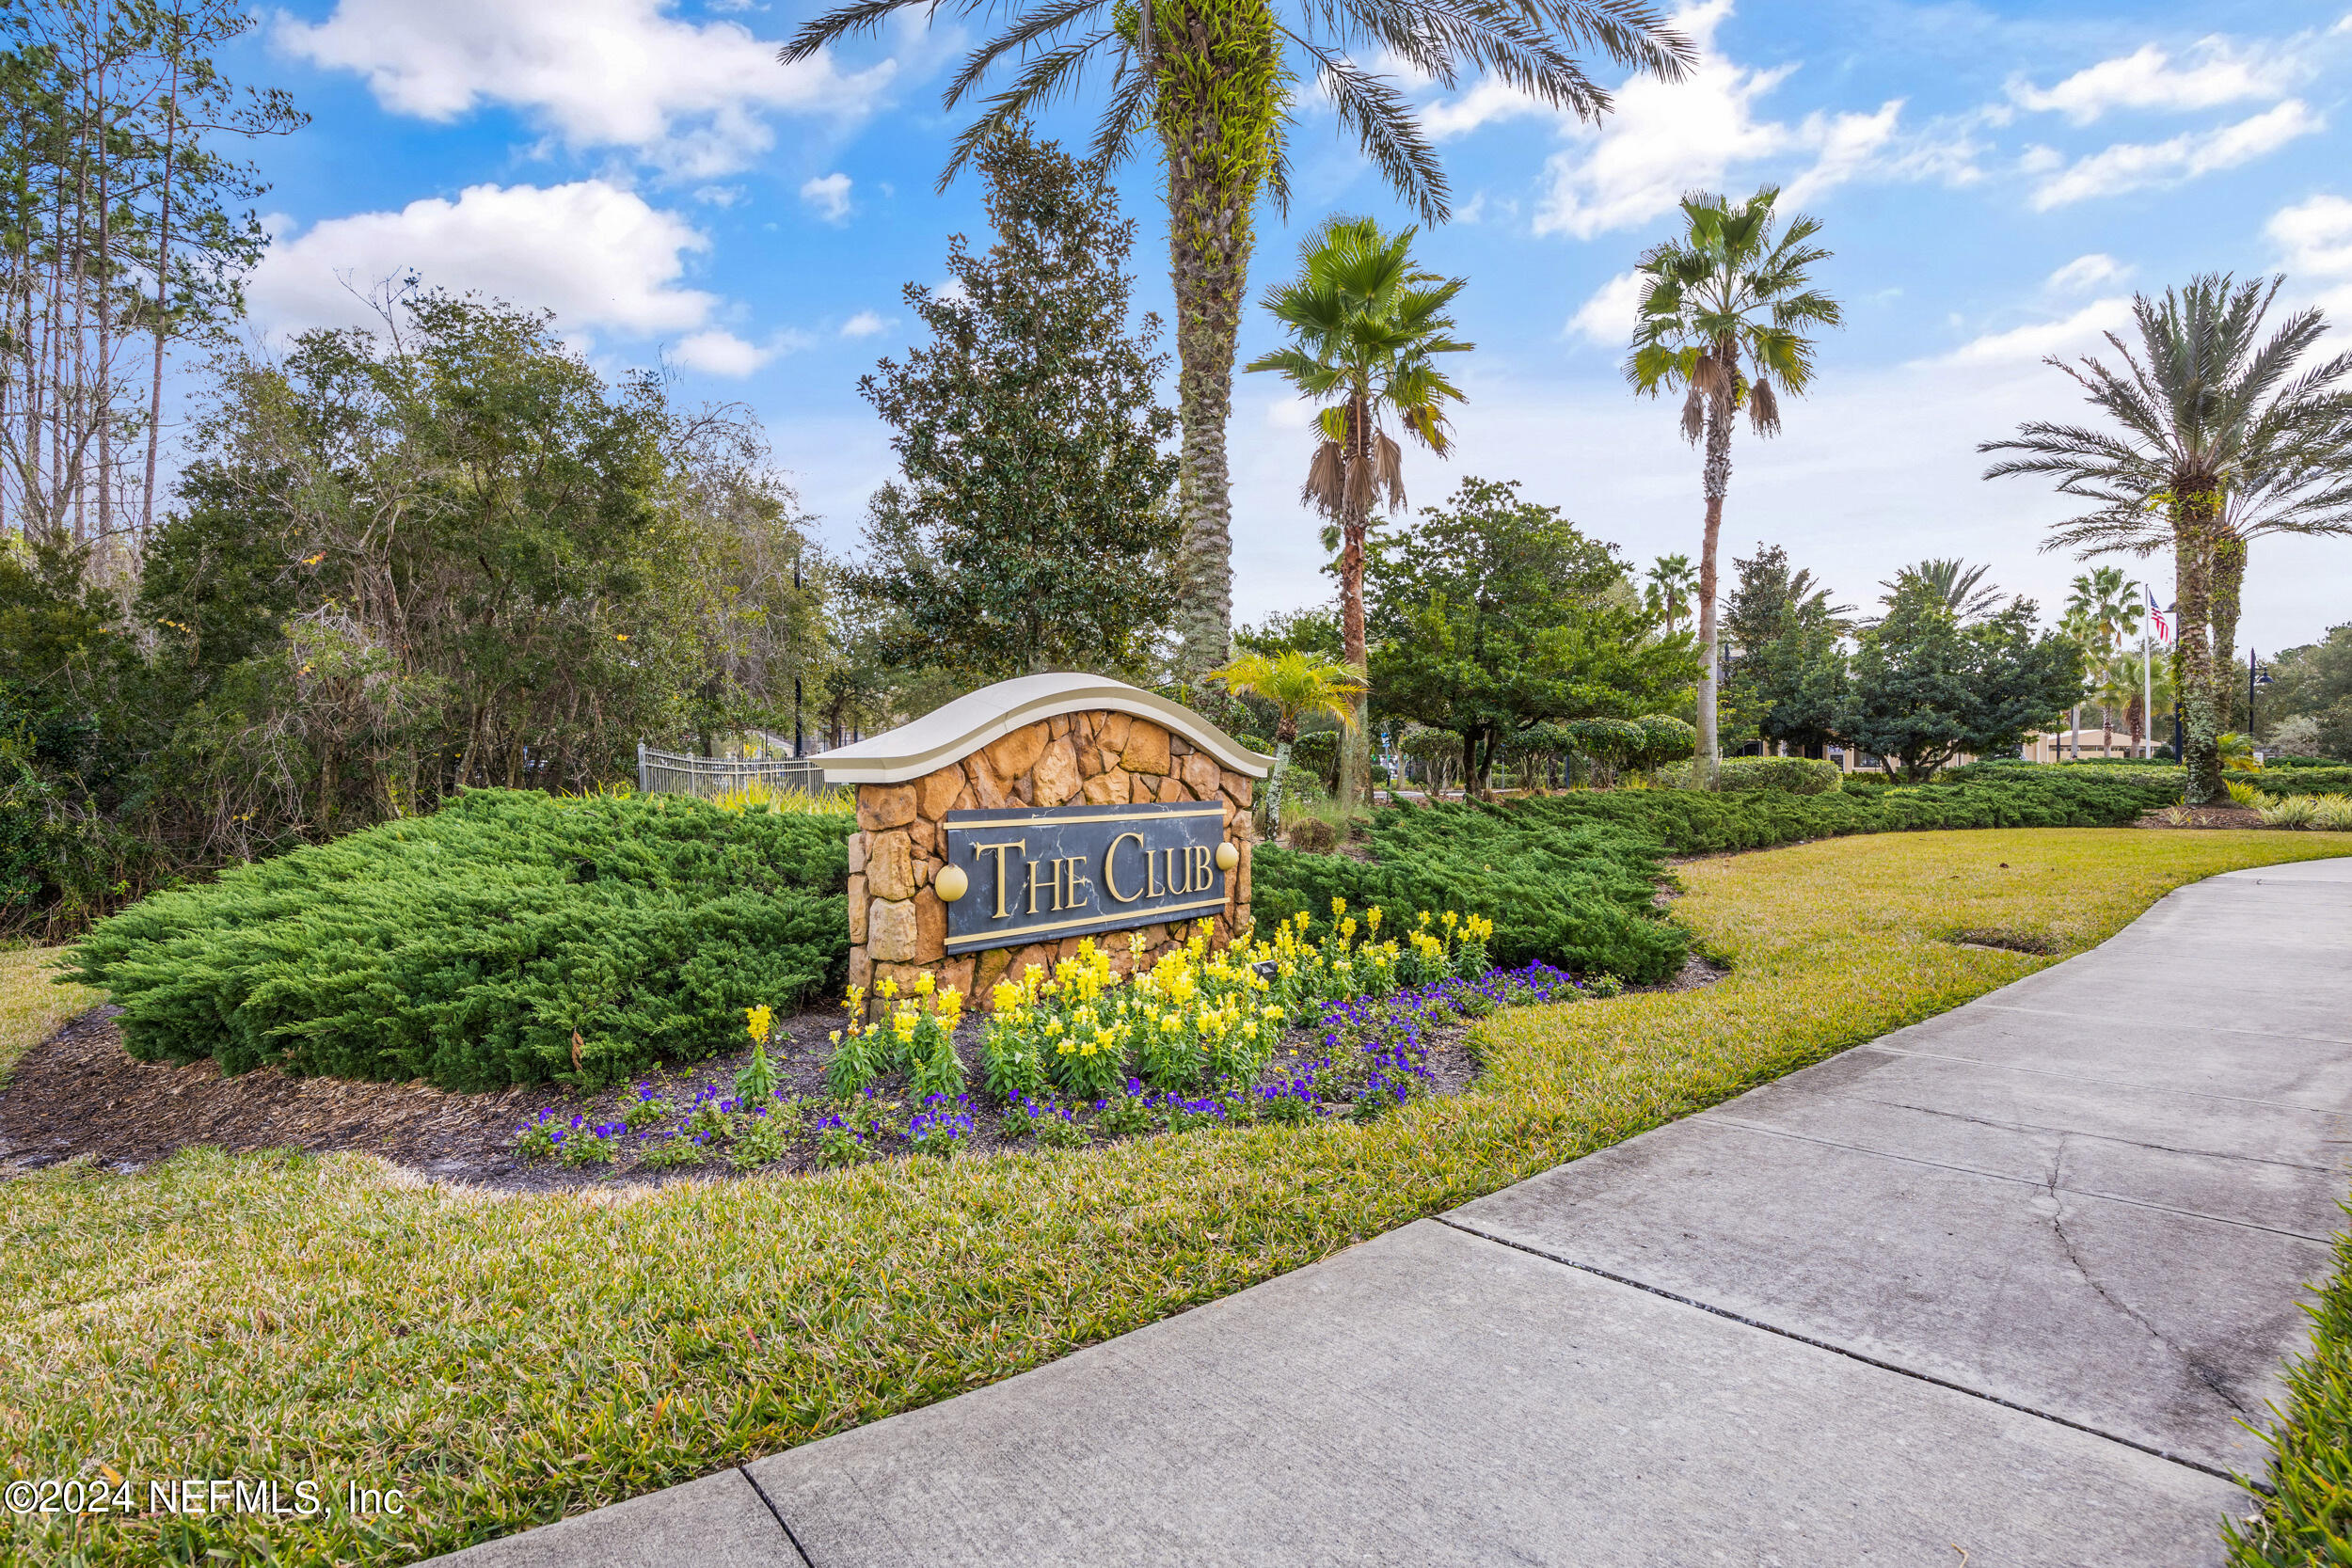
point(1283, 1030)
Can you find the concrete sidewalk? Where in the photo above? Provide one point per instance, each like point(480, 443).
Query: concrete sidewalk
point(1996, 1289)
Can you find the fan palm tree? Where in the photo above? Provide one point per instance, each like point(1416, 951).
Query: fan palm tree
point(1211, 81)
point(1671, 582)
point(1726, 311)
point(1365, 325)
point(2129, 665)
point(1297, 683)
point(2221, 437)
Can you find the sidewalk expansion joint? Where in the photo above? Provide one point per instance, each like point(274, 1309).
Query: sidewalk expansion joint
point(1717, 1119)
point(1897, 1368)
point(2208, 1028)
point(782, 1524)
point(2117, 1082)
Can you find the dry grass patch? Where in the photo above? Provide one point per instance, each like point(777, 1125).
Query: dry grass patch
point(31, 1006)
point(508, 1360)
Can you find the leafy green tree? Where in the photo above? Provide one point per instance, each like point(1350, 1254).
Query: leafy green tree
point(1926, 688)
point(1493, 614)
point(1726, 308)
point(1311, 631)
point(1212, 82)
point(2219, 434)
point(1783, 670)
point(1365, 325)
point(1028, 529)
point(2311, 689)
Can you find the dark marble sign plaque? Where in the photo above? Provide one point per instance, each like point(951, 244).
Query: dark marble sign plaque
point(1042, 874)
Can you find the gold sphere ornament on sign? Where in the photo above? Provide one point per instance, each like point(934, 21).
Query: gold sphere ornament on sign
point(1227, 857)
point(952, 884)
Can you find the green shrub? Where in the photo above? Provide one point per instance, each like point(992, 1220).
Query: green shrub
point(2307, 1516)
point(1793, 775)
point(1577, 893)
point(1570, 879)
point(1318, 753)
point(2326, 812)
point(467, 946)
point(2303, 781)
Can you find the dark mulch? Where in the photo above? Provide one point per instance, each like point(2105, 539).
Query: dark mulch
point(78, 1094)
point(2230, 814)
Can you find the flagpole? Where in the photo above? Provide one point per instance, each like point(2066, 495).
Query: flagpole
point(2147, 699)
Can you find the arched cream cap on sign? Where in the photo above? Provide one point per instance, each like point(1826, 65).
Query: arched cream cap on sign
point(949, 735)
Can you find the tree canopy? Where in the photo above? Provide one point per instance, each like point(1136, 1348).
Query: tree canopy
point(1927, 686)
point(1492, 614)
point(1029, 528)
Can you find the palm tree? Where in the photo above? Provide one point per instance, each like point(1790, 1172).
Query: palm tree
point(1297, 683)
point(1365, 324)
point(2221, 439)
point(1725, 313)
point(2138, 717)
point(1954, 581)
point(2106, 604)
point(1670, 587)
point(1211, 81)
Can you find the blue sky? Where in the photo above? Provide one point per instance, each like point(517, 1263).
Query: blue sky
point(1995, 180)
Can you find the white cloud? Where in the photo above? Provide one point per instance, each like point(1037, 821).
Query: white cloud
point(717, 353)
point(2133, 166)
point(1666, 138)
point(866, 323)
point(828, 194)
point(2085, 272)
point(1607, 317)
point(597, 255)
point(2315, 236)
point(2149, 78)
point(2025, 345)
point(1487, 101)
point(690, 97)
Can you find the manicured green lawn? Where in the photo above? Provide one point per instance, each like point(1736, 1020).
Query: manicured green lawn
point(506, 1360)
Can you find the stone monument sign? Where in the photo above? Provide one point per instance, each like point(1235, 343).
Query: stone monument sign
point(1003, 828)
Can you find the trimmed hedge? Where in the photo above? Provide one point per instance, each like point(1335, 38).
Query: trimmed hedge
point(1570, 879)
point(465, 947)
point(1574, 892)
point(2300, 781)
point(1793, 775)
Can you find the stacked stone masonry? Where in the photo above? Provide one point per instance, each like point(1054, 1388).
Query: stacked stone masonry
point(899, 926)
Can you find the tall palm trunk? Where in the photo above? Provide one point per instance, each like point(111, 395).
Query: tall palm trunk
point(2229, 578)
point(1715, 479)
point(2193, 678)
point(1217, 105)
point(1355, 743)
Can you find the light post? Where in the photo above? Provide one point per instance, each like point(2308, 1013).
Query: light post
point(796, 662)
point(2257, 675)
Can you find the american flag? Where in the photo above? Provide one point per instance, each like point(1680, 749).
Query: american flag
point(2155, 616)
